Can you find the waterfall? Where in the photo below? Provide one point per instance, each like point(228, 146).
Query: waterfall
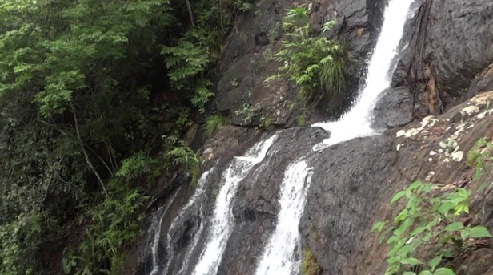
point(357, 121)
point(155, 228)
point(279, 254)
point(197, 196)
point(285, 237)
point(222, 221)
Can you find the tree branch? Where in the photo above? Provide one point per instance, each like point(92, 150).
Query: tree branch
point(190, 13)
point(88, 161)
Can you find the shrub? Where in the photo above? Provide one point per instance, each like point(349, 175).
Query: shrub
point(214, 121)
point(315, 64)
point(429, 220)
point(113, 225)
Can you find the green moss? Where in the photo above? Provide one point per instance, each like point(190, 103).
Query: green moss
point(309, 265)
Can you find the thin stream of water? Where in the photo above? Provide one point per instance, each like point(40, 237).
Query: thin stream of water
point(222, 221)
point(198, 193)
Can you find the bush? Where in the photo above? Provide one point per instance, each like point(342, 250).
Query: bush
point(315, 64)
point(214, 121)
point(427, 220)
point(113, 225)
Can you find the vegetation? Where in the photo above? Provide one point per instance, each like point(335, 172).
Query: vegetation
point(309, 265)
point(248, 112)
point(214, 121)
point(315, 64)
point(428, 234)
point(94, 98)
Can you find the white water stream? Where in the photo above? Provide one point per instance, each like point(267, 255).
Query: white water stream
point(156, 229)
point(222, 221)
point(357, 121)
point(296, 182)
point(279, 257)
point(198, 193)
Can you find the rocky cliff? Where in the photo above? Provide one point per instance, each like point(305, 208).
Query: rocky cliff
point(439, 96)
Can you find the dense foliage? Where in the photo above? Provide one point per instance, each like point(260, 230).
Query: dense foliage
point(94, 97)
point(316, 64)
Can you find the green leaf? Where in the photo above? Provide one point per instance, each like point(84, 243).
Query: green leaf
point(408, 273)
point(479, 232)
point(397, 196)
point(425, 272)
point(403, 227)
point(454, 226)
point(444, 271)
point(405, 250)
point(378, 226)
point(402, 215)
point(461, 208)
point(415, 185)
point(411, 261)
point(435, 261)
point(446, 207)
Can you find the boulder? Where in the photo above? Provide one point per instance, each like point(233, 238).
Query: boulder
point(348, 184)
point(451, 41)
point(393, 109)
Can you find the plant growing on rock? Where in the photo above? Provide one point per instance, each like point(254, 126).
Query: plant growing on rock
point(248, 112)
point(214, 121)
point(480, 157)
point(181, 154)
point(427, 233)
point(309, 265)
point(315, 64)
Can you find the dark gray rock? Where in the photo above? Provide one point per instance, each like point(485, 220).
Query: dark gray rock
point(482, 82)
point(393, 109)
point(358, 22)
point(454, 38)
point(347, 186)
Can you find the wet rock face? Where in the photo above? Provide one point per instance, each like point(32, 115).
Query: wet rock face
point(354, 181)
point(246, 64)
point(256, 204)
point(358, 22)
point(393, 109)
point(454, 38)
point(347, 185)
point(247, 61)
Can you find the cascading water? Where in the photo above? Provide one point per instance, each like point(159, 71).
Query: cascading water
point(279, 254)
point(357, 121)
point(156, 233)
point(285, 237)
point(222, 221)
point(197, 195)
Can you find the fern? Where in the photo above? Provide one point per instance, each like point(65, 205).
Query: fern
point(133, 166)
point(181, 154)
point(315, 64)
point(214, 121)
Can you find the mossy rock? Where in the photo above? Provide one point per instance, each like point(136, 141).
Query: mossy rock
point(309, 265)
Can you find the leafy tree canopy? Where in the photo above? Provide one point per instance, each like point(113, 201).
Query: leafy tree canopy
point(88, 90)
